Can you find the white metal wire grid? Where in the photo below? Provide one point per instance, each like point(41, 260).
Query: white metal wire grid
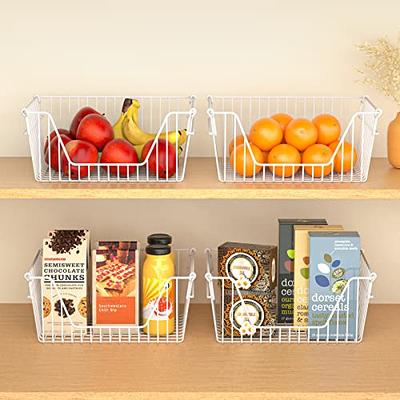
point(217, 290)
point(231, 117)
point(72, 333)
point(157, 114)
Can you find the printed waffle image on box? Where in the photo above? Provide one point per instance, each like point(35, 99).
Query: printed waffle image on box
point(334, 260)
point(302, 269)
point(116, 283)
point(286, 266)
point(241, 318)
point(64, 283)
point(253, 265)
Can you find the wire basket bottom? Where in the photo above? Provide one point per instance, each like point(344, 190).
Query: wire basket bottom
point(100, 175)
point(265, 175)
point(96, 334)
point(276, 334)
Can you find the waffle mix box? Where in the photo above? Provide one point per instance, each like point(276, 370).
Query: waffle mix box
point(64, 284)
point(334, 260)
point(115, 283)
point(302, 269)
point(286, 266)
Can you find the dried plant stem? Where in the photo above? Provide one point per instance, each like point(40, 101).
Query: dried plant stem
point(382, 67)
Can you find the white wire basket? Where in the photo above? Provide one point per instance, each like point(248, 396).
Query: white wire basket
point(72, 333)
point(223, 296)
point(157, 114)
point(232, 117)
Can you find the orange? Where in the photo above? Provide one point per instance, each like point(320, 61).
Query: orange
point(265, 155)
point(301, 133)
point(283, 120)
point(266, 133)
point(317, 154)
point(244, 162)
point(345, 153)
point(284, 154)
point(328, 128)
point(239, 140)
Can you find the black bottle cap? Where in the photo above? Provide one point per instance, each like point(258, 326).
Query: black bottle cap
point(159, 238)
point(158, 250)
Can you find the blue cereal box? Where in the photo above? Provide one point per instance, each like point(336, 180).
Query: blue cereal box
point(334, 261)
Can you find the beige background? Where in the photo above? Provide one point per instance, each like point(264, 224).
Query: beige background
point(197, 224)
point(187, 47)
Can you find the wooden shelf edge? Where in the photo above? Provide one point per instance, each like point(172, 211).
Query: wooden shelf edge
point(201, 183)
point(200, 194)
point(195, 396)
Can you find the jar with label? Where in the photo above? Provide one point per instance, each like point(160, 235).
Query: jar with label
point(158, 291)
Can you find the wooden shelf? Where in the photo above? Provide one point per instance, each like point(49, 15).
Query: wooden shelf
point(199, 368)
point(17, 182)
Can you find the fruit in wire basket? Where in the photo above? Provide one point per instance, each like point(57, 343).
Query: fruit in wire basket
point(328, 128)
point(346, 157)
point(283, 120)
point(239, 140)
point(134, 134)
point(284, 154)
point(79, 152)
point(317, 154)
point(53, 135)
point(95, 129)
point(161, 154)
point(117, 127)
point(55, 161)
point(266, 133)
point(82, 113)
point(242, 161)
point(119, 151)
point(301, 133)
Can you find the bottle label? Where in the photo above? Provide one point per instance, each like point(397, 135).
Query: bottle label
point(158, 299)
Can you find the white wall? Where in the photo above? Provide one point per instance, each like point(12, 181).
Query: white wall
point(184, 47)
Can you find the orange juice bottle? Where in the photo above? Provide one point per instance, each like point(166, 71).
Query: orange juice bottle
point(158, 292)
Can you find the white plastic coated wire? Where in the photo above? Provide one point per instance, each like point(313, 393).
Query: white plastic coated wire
point(73, 333)
point(157, 114)
point(325, 333)
point(231, 117)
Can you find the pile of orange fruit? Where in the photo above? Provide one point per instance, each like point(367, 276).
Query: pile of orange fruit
point(284, 140)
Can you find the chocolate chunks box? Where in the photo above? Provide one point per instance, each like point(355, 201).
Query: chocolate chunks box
point(115, 283)
point(334, 260)
point(302, 269)
point(64, 283)
point(253, 262)
point(286, 266)
point(255, 310)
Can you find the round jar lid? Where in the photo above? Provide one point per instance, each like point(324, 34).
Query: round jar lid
point(158, 250)
point(159, 238)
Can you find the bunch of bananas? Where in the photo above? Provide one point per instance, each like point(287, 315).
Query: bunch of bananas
point(127, 127)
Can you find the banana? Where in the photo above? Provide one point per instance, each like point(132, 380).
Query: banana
point(139, 150)
point(136, 136)
point(130, 107)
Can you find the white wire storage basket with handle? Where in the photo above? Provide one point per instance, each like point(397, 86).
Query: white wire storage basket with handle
point(72, 333)
point(157, 115)
point(231, 117)
point(226, 298)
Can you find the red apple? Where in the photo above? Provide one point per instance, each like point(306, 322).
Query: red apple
point(159, 164)
point(53, 134)
point(119, 151)
point(79, 117)
point(78, 152)
point(96, 130)
point(54, 151)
